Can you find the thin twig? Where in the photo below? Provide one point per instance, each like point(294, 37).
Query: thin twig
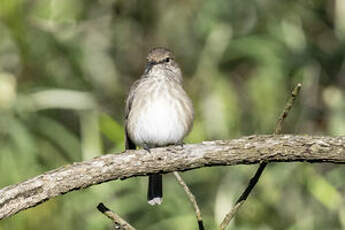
point(254, 180)
point(287, 109)
point(120, 224)
point(192, 200)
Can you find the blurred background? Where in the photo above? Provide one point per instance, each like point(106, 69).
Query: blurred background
point(66, 67)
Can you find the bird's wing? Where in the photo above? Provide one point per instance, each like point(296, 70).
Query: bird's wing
point(129, 144)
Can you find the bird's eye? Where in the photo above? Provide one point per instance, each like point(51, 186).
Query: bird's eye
point(167, 60)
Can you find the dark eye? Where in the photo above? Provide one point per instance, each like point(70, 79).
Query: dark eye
point(167, 60)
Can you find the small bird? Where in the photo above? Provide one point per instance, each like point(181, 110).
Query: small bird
point(158, 111)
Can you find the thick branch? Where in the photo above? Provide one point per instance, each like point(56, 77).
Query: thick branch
point(246, 150)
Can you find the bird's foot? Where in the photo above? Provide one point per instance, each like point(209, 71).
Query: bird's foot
point(179, 145)
point(147, 148)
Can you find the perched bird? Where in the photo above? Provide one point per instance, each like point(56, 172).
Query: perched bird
point(158, 111)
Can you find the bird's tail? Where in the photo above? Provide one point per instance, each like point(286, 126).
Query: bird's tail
point(155, 191)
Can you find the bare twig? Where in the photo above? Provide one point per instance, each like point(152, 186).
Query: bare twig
point(287, 109)
point(254, 180)
point(245, 150)
point(119, 223)
point(192, 200)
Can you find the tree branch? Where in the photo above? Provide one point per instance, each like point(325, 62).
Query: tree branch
point(119, 223)
point(245, 150)
point(287, 108)
point(254, 180)
point(192, 199)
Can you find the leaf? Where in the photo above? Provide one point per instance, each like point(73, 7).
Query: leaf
point(111, 129)
point(322, 190)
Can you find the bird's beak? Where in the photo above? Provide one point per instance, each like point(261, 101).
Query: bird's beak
point(148, 67)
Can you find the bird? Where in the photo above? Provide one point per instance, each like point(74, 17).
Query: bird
point(158, 111)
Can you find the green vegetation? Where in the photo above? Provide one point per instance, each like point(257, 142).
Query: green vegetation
point(66, 67)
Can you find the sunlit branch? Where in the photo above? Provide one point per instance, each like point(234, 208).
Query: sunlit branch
point(245, 150)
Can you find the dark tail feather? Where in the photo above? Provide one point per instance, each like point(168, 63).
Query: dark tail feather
point(155, 191)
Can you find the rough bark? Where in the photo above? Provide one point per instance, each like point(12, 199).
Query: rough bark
point(245, 150)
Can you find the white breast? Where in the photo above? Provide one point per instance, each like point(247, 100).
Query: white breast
point(158, 117)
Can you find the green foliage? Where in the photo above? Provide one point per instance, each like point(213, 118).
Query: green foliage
point(66, 67)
